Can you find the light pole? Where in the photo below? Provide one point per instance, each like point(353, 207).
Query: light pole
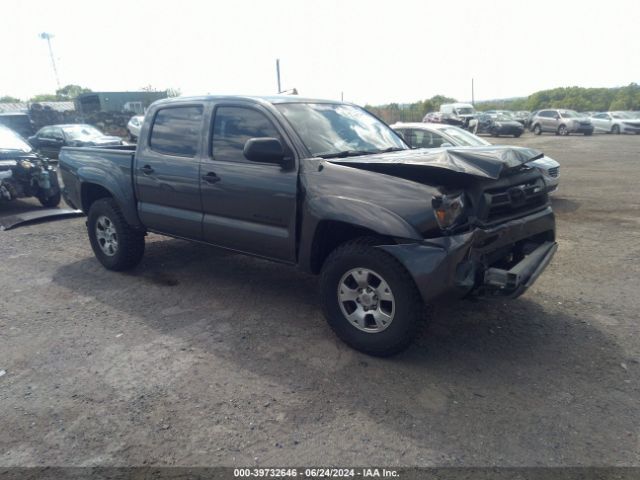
point(48, 36)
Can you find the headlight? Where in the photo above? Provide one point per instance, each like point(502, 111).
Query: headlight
point(448, 209)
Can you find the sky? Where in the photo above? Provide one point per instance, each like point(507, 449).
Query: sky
point(369, 52)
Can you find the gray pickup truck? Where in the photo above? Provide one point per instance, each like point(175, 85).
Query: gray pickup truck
point(329, 188)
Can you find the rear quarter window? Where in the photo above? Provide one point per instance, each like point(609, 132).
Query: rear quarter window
point(177, 130)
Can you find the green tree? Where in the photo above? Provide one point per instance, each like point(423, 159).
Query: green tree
point(44, 97)
point(69, 92)
point(9, 99)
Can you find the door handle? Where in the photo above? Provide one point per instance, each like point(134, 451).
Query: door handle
point(147, 170)
point(211, 177)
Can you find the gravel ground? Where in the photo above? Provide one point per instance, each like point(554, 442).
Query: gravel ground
point(204, 357)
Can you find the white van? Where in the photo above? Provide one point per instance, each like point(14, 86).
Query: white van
point(457, 113)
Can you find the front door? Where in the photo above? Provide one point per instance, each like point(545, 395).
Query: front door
point(167, 172)
point(248, 206)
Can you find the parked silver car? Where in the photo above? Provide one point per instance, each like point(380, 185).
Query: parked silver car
point(441, 135)
point(560, 122)
point(616, 122)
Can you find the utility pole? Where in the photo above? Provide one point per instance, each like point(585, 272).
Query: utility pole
point(342, 96)
point(48, 36)
point(472, 94)
point(278, 73)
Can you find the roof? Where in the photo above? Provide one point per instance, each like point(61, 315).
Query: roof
point(423, 125)
point(274, 99)
point(24, 106)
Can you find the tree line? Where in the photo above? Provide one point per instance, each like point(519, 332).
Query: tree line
point(69, 92)
point(572, 98)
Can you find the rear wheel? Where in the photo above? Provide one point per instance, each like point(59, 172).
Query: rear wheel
point(562, 130)
point(615, 129)
point(115, 244)
point(369, 299)
point(516, 135)
point(537, 129)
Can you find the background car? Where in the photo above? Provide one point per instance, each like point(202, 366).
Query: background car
point(19, 122)
point(437, 135)
point(49, 140)
point(561, 122)
point(432, 117)
point(523, 117)
point(499, 123)
point(616, 122)
point(457, 113)
point(134, 126)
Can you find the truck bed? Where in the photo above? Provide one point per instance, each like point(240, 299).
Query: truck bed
point(109, 167)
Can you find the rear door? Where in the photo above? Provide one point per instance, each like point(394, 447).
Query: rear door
point(248, 206)
point(602, 122)
point(167, 171)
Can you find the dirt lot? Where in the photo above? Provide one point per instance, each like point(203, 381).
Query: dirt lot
point(203, 357)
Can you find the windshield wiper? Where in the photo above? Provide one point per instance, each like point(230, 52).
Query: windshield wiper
point(344, 154)
point(391, 149)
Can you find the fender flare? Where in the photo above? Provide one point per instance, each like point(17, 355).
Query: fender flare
point(357, 213)
point(121, 192)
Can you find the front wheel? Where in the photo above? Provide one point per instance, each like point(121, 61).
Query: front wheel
point(369, 299)
point(115, 243)
point(516, 135)
point(562, 130)
point(50, 202)
point(615, 129)
point(537, 129)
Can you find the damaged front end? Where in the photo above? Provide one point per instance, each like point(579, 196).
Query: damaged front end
point(28, 176)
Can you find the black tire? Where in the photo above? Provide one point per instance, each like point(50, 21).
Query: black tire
point(615, 129)
point(408, 305)
point(537, 129)
point(562, 130)
point(588, 134)
point(130, 242)
point(516, 135)
point(50, 202)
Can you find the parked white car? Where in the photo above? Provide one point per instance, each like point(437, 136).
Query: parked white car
point(616, 122)
point(134, 126)
point(440, 135)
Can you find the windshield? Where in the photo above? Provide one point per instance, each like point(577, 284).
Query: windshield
point(10, 140)
point(334, 129)
point(569, 114)
point(464, 111)
point(81, 132)
point(622, 115)
point(504, 117)
point(463, 138)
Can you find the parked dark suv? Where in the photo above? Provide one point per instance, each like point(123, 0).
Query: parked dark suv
point(560, 122)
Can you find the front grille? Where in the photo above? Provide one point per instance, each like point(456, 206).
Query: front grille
point(514, 200)
point(554, 172)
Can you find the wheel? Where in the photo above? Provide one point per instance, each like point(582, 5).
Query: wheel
point(369, 299)
point(516, 135)
point(495, 133)
point(115, 244)
point(589, 133)
point(50, 202)
point(562, 130)
point(615, 129)
point(537, 129)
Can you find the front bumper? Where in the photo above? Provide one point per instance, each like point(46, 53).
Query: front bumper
point(503, 260)
point(629, 129)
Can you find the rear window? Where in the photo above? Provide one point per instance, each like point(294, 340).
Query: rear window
point(176, 131)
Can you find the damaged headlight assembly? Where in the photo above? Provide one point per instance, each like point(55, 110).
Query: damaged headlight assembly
point(448, 209)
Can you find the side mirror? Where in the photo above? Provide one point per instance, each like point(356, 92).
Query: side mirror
point(264, 150)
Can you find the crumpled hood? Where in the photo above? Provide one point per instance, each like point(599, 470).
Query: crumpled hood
point(488, 162)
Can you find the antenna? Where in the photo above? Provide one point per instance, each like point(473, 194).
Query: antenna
point(48, 36)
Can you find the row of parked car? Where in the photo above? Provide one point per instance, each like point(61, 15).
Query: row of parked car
point(557, 121)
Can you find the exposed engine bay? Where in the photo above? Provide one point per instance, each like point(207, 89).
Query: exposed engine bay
point(28, 175)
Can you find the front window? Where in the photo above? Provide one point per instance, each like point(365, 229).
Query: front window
point(81, 132)
point(569, 114)
point(9, 140)
point(463, 138)
point(339, 130)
